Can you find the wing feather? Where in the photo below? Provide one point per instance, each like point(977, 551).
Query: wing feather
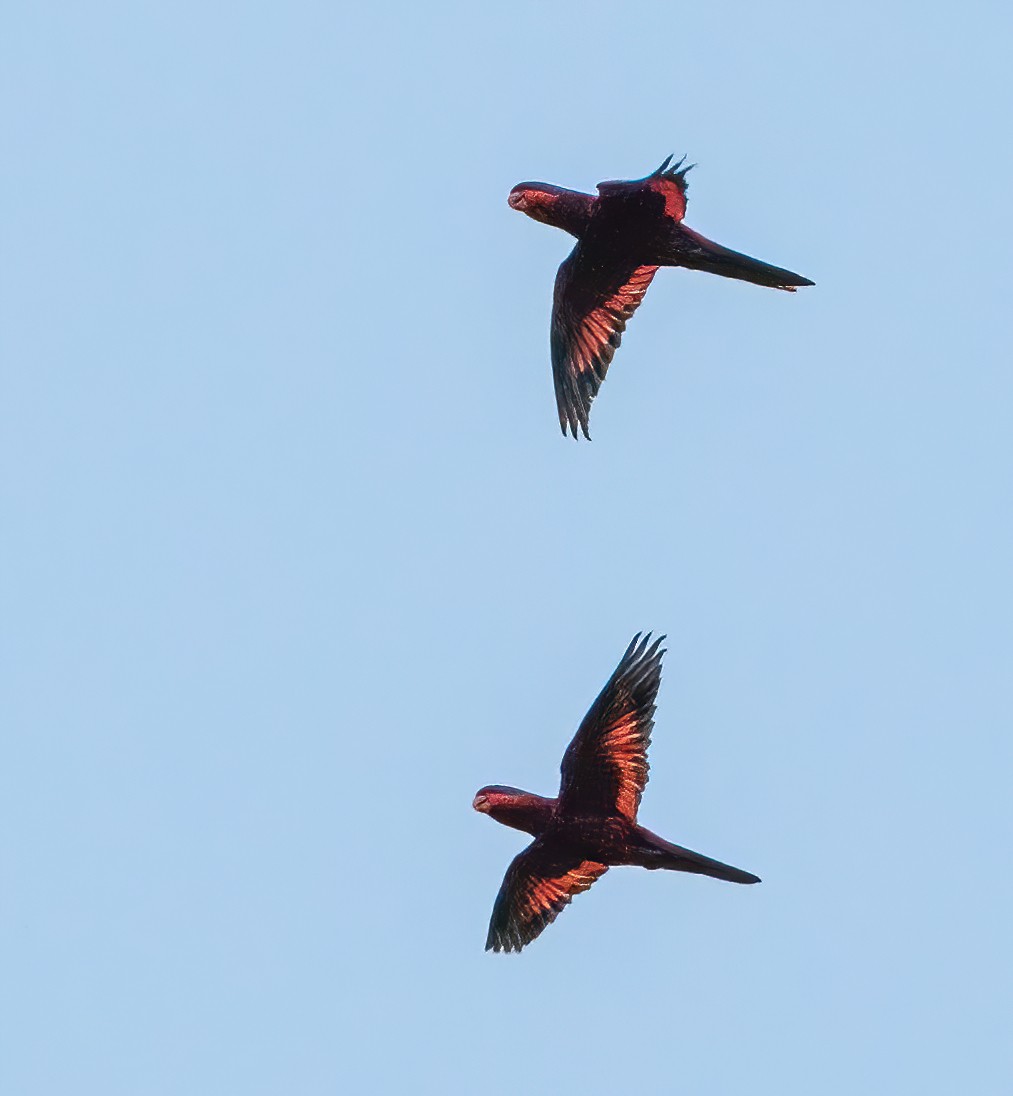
point(668, 182)
point(604, 770)
point(591, 306)
point(538, 885)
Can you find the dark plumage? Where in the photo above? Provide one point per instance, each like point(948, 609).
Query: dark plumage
point(623, 236)
point(592, 826)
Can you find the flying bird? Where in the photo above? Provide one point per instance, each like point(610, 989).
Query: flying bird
point(592, 825)
point(624, 235)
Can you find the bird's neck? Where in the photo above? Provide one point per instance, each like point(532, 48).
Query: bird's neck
point(525, 811)
point(569, 210)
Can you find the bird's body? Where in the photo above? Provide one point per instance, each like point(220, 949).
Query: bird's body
point(624, 235)
point(610, 838)
point(592, 825)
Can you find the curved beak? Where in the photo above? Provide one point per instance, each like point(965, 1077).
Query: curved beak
point(517, 200)
point(480, 803)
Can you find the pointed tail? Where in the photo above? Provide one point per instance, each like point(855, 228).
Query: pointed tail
point(690, 249)
point(659, 853)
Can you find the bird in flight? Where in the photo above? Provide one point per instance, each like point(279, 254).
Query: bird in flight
point(624, 235)
point(592, 825)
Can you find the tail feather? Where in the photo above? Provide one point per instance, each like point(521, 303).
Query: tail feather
point(659, 853)
point(690, 249)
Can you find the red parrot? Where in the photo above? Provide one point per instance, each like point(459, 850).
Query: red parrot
point(623, 236)
point(592, 825)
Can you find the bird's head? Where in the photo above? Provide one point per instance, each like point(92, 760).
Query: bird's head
point(489, 799)
point(569, 210)
point(537, 200)
point(512, 807)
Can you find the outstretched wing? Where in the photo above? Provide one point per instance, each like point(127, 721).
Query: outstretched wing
point(668, 182)
point(538, 884)
point(604, 769)
point(591, 305)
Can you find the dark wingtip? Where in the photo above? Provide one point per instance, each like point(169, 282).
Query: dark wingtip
point(642, 650)
point(573, 425)
point(501, 946)
point(668, 170)
point(574, 428)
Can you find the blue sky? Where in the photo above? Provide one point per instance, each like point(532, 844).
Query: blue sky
point(296, 559)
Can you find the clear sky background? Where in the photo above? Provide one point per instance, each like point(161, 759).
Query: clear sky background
point(295, 557)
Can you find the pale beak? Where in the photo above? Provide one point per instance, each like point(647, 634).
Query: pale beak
point(480, 803)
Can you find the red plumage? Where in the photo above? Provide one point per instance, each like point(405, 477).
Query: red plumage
point(592, 824)
point(623, 236)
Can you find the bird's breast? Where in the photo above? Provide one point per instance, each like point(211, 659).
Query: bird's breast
point(595, 836)
point(627, 224)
